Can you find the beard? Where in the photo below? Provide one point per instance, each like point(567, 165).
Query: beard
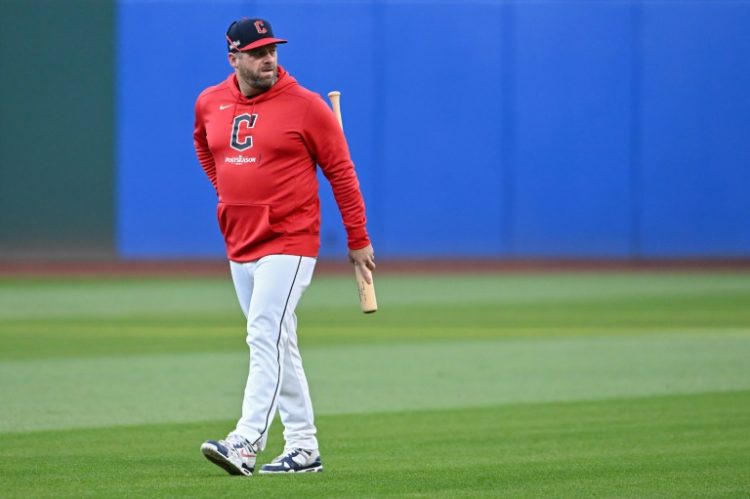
point(259, 80)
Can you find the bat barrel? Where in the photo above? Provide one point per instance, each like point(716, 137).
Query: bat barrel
point(335, 97)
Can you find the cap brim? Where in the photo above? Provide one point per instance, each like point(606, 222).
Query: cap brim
point(260, 43)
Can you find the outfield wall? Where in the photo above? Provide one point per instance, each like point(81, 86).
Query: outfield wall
point(597, 128)
point(57, 128)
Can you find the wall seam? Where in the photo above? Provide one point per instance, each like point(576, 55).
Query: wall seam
point(377, 223)
point(507, 187)
point(636, 123)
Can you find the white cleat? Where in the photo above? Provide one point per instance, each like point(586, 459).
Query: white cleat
point(234, 454)
point(295, 461)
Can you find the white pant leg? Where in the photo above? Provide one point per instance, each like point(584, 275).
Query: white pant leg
point(274, 285)
point(242, 277)
point(295, 406)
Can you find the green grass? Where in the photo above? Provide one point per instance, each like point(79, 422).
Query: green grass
point(563, 385)
point(678, 446)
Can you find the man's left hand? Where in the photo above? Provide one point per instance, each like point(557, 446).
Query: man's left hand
point(364, 258)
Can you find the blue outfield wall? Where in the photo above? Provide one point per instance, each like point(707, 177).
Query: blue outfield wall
point(479, 128)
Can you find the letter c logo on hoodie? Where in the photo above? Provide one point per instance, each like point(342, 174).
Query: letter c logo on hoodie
point(241, 138)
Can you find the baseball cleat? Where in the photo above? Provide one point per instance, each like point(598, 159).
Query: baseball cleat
point(234, 454)
point(295, 461)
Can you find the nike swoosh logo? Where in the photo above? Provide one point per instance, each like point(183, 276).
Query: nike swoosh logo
point(224, 106)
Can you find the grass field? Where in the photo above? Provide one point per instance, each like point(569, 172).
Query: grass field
point(560, 385)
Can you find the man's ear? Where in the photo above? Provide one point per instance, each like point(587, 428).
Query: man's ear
point(232, 59)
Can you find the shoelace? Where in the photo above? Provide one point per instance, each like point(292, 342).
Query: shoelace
point(237, 441)
point(289, 454)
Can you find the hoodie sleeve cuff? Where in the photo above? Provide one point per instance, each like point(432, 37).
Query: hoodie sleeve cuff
point(357, 238)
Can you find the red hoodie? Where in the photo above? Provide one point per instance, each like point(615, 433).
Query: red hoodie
point(260, 154)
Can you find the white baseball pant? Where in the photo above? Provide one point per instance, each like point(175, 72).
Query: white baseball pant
point(269, 290)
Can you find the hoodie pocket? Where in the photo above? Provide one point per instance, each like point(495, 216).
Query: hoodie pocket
point(245, 225)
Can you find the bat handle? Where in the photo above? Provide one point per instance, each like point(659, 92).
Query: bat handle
point(367, 299)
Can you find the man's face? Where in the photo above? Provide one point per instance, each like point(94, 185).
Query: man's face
point(257, 67)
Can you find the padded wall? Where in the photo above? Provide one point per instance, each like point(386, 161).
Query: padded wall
point(494, 129)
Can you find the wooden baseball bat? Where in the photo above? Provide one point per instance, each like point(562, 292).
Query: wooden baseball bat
point(367, 299)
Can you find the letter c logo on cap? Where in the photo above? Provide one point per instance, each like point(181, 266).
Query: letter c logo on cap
point(260, 26)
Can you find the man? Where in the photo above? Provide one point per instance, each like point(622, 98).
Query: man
point(259, 136)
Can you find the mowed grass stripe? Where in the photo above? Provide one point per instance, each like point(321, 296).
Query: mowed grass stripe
point(675, 446)
point(88, 392)
point(102, 297)
point(193, 331)
point(82, 340)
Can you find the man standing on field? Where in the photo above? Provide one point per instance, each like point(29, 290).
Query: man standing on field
point(259, 136)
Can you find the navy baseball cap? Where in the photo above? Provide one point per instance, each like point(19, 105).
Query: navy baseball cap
point(249, 34)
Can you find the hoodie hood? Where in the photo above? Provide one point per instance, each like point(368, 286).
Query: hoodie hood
point(284, 82)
